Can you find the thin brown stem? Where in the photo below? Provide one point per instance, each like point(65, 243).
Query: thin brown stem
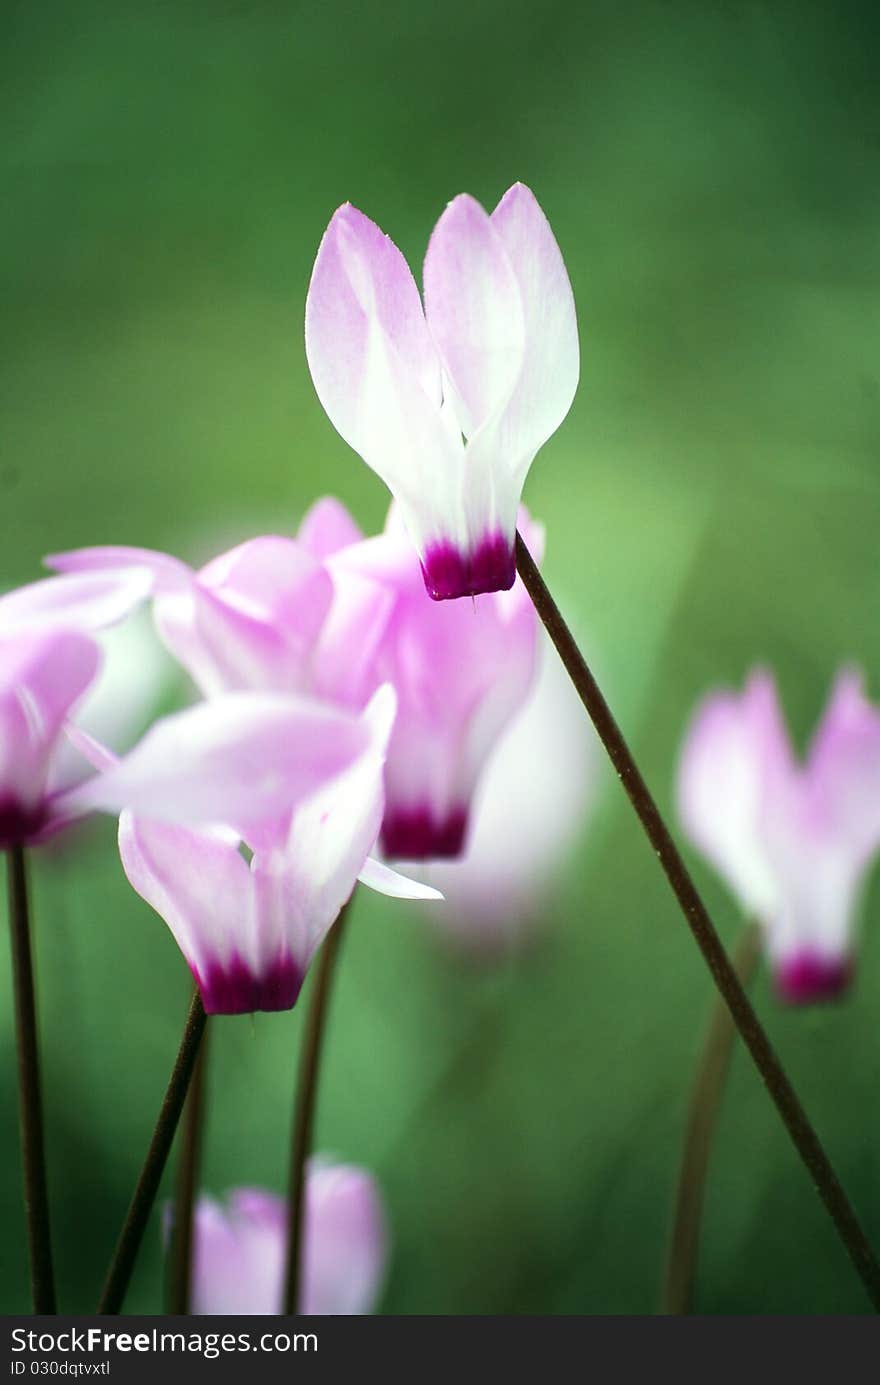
point(702, 1118)
point(141, 1205)
point(705, 935)
point(189, 1162)
point(30, 1103)
point(304, 1109)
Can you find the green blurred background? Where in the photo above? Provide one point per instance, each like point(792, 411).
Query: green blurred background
point(711, 172)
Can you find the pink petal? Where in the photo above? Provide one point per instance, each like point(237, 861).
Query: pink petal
point(168, 573)
point(239, 759)
point(735, 764)
point(302, 886)
point(201, 886)
point(86, 601)
point(546, 763)
point(551, 364)
point(326, 527)
point(42, 676)
point(460, 670)
point(843, 768)
point(474, 310)
point(377, 374)
point(239, 1252)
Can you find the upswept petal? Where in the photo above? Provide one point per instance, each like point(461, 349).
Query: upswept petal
point(843, 768)
point(168, 573)
point(474, 311)
point(460, 670)
point(381, 878)
point(302, 886)
point(377, 374)
point(735, 765)
point(82, 601)
point(548, 379)
point(239, 1249)
point(240, 759)
point(326, 527)
point(256, 614)
point(196, 881)
point(546, 763)
point(42, 676)
point(346, 1241)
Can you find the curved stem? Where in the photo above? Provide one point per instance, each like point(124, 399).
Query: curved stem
point(187, 1186)
point(30, 1104)
point(141, 1205)
point(702, 1117)
point(754, 1036)
point(304, 1111)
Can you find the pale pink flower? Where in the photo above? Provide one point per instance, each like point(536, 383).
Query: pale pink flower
point(240, 1247)
point(267, 615)
point(461, 671)
point(792, 841)
point(492, 358)
point(529, 812)
point(336, 615)
point(308, 813)
point(49, 660)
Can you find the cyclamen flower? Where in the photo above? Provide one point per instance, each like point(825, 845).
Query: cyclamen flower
point(42, 677)
point(240, 1248)
point(793, 841)
point(249, 928)
point(492, 359)
point(530, 807)
point(337, 616)
point(48, 661)
point(267, 615)
point(461, 671)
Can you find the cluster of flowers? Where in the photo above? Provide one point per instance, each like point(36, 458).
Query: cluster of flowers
point(352, 705)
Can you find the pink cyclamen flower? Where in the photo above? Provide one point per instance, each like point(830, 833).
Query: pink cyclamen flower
point(267, 615)
point(461, 671)
point(48, 662)
point(336, 615)
point(249, 928)
point(529, 811)
point(42, 677)
point(493, 358)
point(240, 1247)
point(793, 841)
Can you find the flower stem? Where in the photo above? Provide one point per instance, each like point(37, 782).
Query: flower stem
point(751, 1030)
point(187, 1186)
point(30, 1106)
point(702, 1117)
point(141, 1205)
point(304, 1111)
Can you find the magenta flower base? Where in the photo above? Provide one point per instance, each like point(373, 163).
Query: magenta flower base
point(19, 825)
point(807, 978)
point(233, 989)
point(449, 573)
point(416, 835)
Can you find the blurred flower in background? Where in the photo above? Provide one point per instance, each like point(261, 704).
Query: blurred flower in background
point(530, 810)
point(240, 1247)
point(792, 841)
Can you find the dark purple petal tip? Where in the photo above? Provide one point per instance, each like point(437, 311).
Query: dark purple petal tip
point(807, 978)
point(20, 825)
point(231, 988)
point(414, 834)
point(449, 573)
